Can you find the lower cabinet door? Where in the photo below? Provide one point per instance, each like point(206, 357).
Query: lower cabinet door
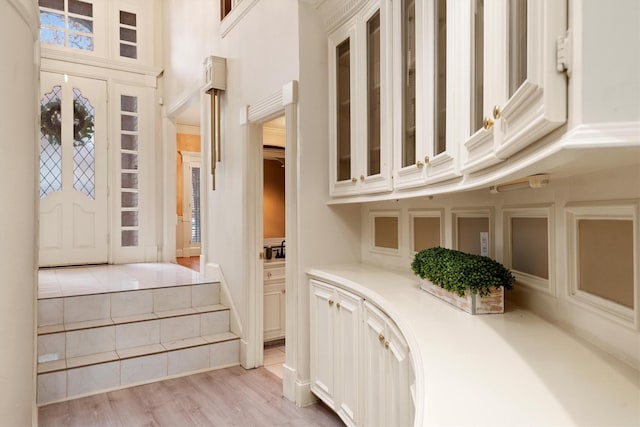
point(398, 383)
point(274, 311)
point(322, 342)
point(348, 326)
point(373, 366)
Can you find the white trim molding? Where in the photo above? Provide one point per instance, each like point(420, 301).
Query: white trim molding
point(235, 15)
point(541, 284)
point(396, 213)
point(625, 210)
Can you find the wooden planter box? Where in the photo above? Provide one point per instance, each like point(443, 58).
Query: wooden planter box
point(472, 304)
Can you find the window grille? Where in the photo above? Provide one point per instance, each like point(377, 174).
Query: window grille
point(129, 172)
point(67, 23)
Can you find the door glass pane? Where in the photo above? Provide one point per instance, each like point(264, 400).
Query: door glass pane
point(50, 142)
point(517, 44)
point(343, 74)
point(84, 161)
point(373, 98)
point(477, 67)
point(440, 109)
point(195, 205)
point(408, 82)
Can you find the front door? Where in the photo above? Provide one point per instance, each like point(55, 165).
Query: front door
point(73, 170)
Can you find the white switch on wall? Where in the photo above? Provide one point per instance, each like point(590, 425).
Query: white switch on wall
point(484, 243)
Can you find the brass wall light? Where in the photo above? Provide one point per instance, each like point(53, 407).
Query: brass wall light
point(215, 82)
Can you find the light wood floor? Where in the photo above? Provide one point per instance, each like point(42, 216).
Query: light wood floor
point(226, 397)
point(190, 262)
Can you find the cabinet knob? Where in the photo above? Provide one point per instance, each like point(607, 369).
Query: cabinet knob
point(488, 123)
point(426, 160)
point(354, 179)
point(419, 164)
point(496, 112)
point(386, 344)
point(330, 302)
point(284, 291)
point(338, 305)
point(362, 178)
point(381, 338)
point(269, 274)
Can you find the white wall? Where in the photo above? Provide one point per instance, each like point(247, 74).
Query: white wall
point(18, 31)
point(611, 60)
point(328, 234)
point(614, 184)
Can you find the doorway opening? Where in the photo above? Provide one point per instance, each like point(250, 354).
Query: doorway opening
point(188, 201)
point(273, 233)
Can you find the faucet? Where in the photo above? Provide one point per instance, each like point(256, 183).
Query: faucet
point(280, 253)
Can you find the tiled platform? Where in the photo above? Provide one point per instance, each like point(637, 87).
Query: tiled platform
point(113, 326)
point(97, 279)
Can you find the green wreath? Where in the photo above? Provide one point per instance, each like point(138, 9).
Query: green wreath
point(51, 123)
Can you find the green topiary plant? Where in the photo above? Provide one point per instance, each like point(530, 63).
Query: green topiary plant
point(458, 271)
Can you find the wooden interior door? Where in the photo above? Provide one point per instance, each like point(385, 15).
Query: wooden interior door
point(73, 171)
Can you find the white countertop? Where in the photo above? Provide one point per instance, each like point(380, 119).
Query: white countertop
point(499, 369)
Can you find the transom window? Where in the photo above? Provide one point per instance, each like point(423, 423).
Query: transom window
point(67, 23)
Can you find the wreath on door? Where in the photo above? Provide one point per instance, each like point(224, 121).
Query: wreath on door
point(51, 123)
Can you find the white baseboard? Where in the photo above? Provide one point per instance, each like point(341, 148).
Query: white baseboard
point(304, 397)
point(289, 382)
point(178, 253)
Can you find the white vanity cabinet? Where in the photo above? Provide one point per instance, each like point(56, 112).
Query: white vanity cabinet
point(274, 300)
point(360, 364)
point(360, 102)
point(335, 350)
point(518, 88)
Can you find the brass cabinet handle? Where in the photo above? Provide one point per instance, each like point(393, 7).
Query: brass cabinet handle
point(381, 338)
point(330, 302)
point(269, 274)
point(354, 179)
point(361, 177)
point(496, 112)
point(419, 164)
point(426, 160)
point(284, 291)
point(386, 345)
point(338, 305)
point(488, 123)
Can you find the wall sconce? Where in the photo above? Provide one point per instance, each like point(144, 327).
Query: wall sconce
point(533, 181)
point(215, 81)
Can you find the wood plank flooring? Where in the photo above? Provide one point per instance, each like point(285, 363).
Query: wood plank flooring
point(190, 262)
point(226, 397)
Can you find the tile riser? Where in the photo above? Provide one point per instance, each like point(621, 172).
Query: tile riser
point(65, 310)
point(71, 383)
point(89, 341)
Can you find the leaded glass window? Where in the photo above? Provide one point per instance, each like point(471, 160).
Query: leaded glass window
point(50, 142)
point(84, 149)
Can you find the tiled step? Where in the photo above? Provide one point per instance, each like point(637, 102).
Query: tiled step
point(53, 313)
point(93, 343)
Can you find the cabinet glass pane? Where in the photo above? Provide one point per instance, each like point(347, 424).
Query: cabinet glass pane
point(517, 44)
point(408, 82)
point(477, 66)
point(343, 96)
point(440, 137)
point(373, 98)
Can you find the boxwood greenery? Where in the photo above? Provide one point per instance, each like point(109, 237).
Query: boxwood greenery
point(458, 271)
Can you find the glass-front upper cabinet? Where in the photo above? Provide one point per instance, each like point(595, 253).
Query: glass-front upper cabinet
point(360, 97)
point(516, 93)
point(424, 148)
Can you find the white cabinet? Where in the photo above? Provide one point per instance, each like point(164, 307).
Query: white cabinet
point(360, 362)
point(360, 102)
point(517, 90)
point(387, 372)
point(425, 92)
point(274, 300)
point(335, 350)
